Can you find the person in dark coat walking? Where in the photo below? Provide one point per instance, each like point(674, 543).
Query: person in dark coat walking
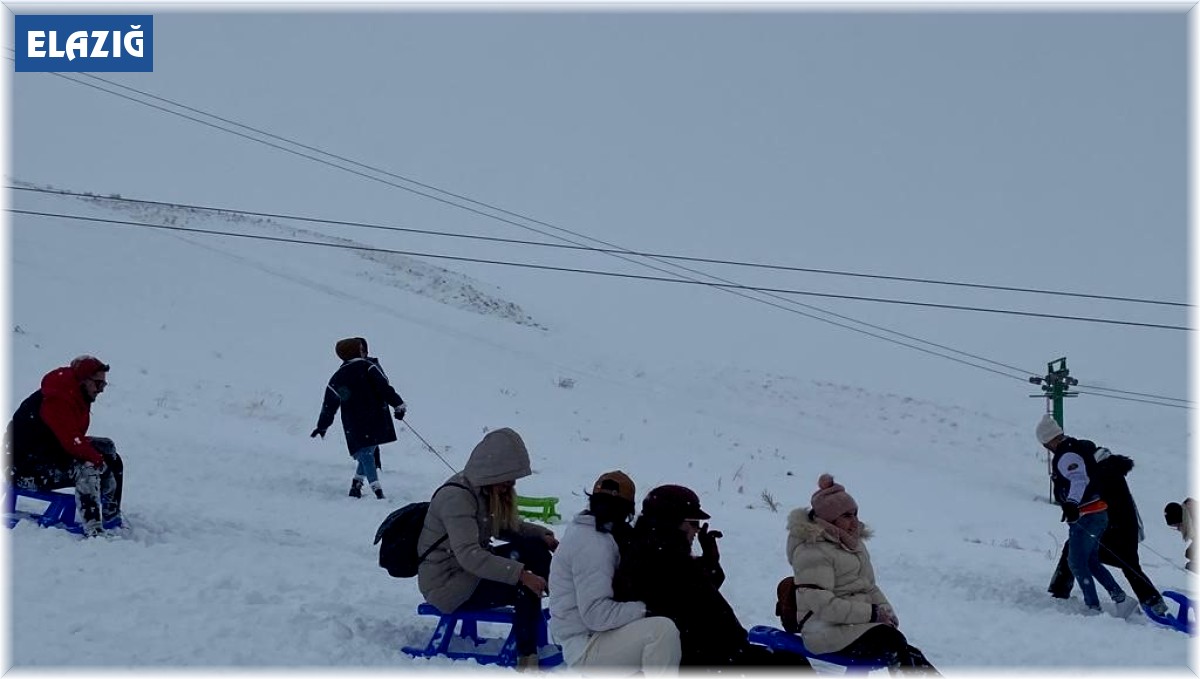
point(362, 391)
point(657, 567)
point(49, 448)
point(1119, 543)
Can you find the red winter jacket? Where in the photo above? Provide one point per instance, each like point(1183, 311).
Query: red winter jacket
point(67, 414)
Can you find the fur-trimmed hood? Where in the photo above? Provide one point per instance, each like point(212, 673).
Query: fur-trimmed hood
point(838, 601)
point(804, 529)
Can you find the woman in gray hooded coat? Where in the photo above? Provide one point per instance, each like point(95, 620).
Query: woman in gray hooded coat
point(465, 571)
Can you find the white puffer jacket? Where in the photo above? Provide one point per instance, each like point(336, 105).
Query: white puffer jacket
point(835, 586)
point(581, 592)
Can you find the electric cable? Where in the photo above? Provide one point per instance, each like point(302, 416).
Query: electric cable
point(596, 272)
point(588, 248)
point(728, 287)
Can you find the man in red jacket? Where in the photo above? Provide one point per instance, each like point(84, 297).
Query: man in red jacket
point(50, 448)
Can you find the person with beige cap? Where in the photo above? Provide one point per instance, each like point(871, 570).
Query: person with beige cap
point(839, 607)
point(596, 631)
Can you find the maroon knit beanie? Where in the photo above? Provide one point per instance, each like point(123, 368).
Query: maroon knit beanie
point(349, 348)
point(831, 500)
point(83, 367)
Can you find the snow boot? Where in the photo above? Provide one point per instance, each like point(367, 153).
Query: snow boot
point(528, 663)
point(378, 490)
point(356, 488)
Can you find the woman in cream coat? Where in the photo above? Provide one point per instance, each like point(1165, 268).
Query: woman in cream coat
point(840, 609)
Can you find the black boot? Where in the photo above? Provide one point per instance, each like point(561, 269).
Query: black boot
point(356, 488)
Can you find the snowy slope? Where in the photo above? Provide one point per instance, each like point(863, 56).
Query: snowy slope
point(244, 550)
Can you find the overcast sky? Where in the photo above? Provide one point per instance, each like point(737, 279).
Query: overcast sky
point(1030, 148)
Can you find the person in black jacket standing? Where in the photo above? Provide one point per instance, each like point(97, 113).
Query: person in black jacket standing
point(1119, 543)
point(362, 391)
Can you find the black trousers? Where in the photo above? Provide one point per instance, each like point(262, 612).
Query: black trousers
point(888, 645)
point(1120, 553)
point(527, 606)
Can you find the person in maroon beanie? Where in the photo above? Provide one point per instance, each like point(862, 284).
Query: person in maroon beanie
point(49, 448)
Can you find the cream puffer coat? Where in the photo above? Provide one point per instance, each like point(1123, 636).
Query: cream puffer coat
point(835, 586)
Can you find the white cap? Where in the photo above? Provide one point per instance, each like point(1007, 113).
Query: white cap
point(1047, 429)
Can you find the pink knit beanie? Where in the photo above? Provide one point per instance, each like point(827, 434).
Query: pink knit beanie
point(831, 500)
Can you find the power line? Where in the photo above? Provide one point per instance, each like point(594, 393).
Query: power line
point(586, 248)
point(791, 303)
point(505, 240)
point(1186, 405)
point(596, 272)
point(1133, 393)
point(384, 250)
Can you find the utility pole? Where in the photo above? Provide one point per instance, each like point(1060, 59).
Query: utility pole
point(1056, 386)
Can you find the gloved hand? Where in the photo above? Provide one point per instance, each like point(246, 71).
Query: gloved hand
point(884, 613)
point(317, 432)
point(1070, 512)
point(400, 411)
point(708, 542)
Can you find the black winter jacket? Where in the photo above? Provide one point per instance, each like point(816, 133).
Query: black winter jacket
point(1123, 519)
point(657, 568)
point(363, 393)
point(29, 439)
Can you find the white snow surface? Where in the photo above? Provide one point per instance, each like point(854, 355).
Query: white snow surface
point(244, 551)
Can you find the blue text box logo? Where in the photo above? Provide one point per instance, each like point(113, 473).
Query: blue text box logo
point(92, 43)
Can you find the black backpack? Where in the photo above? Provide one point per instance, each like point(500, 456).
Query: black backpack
point(399, 533)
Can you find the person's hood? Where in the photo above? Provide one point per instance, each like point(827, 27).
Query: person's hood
point(1112, 463)
point(805, 529)
point(501, 456)
point(62, 382)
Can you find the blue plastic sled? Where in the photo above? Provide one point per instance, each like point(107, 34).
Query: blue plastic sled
point(1181, 620)
point(469, 644)
point(59, 511)
point(775, 638)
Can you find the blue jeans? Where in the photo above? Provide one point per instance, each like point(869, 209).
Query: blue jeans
point(1083, 555)
point(366, 463)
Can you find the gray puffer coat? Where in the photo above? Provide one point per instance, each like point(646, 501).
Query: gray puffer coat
point(450, 573)
point(835, 586)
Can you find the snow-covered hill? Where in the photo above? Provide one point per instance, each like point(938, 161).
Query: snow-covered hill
point(243, 549)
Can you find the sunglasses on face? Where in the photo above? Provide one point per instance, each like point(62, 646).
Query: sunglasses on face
point(100, 384)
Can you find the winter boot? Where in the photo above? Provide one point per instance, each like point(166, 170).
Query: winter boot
point(378, 490)
point(1157, 606)
point(356, 487)
point(528, 663)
